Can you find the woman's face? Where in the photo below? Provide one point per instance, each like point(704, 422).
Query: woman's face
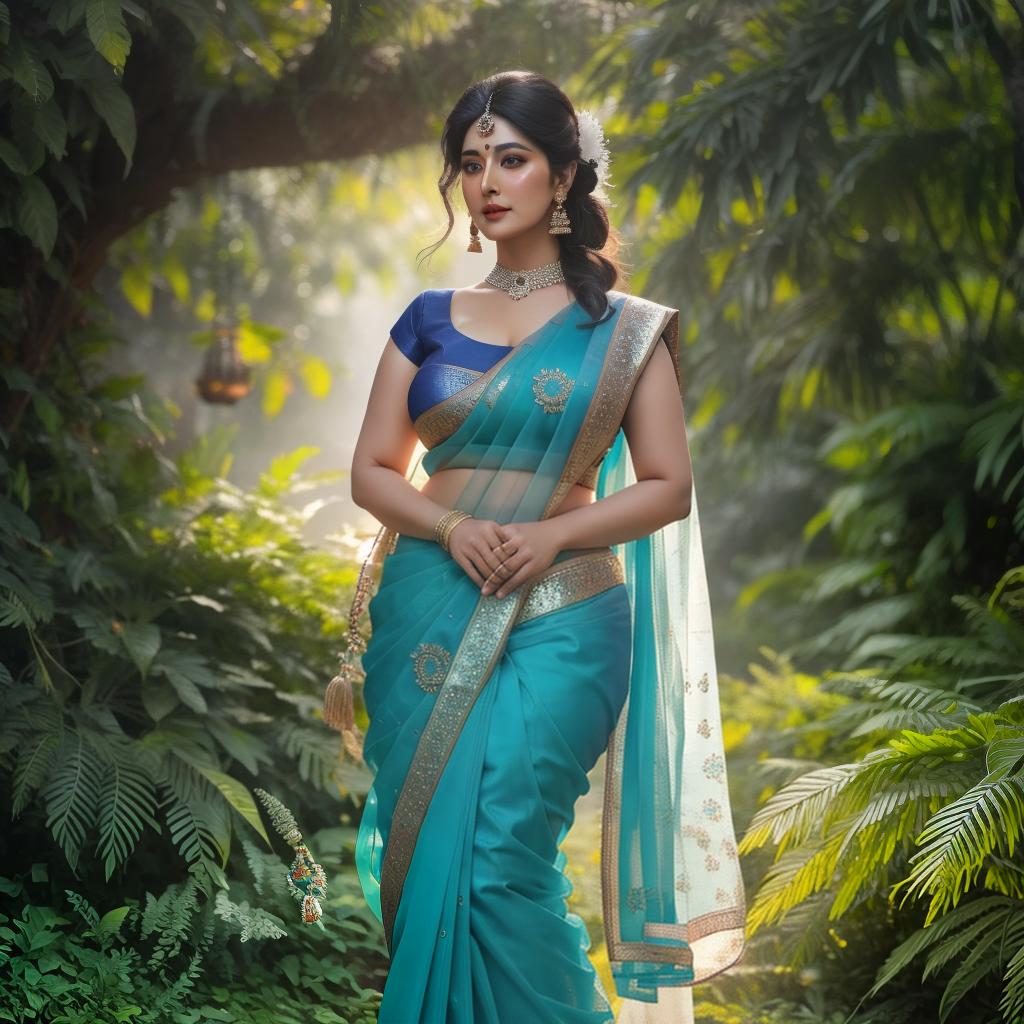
point(506, 169)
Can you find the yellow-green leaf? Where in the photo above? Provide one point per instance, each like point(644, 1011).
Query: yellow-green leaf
point(137, 286)
point(251, 346)
point(107, 30)
point(316, 376)
point(176, 276)
point(278, 387)
point(236, 795)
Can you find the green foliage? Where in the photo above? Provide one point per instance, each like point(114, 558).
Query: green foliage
point(936, 810)
point(164, 636)
point(825, 191)
point(167, 961)
point(65, 62)
point(159, 647)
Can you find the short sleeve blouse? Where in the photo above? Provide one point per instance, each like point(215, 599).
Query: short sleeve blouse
point(448, 359)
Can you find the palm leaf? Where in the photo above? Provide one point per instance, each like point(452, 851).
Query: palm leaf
point(956, 841)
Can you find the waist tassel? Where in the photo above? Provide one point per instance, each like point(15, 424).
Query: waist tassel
point(339, 709)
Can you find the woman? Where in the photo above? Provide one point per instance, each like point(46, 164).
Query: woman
point(520, 627)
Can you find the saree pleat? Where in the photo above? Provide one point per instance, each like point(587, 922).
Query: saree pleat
point(482, 932)
point(487, 714)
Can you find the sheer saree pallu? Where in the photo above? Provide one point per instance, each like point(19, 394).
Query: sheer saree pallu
point(487, 714)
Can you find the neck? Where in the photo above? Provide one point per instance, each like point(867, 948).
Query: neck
point(529, 251)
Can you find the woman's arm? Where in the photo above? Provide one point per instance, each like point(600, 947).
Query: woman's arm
point(384, 450)
point(381, 459)
point(655, 429)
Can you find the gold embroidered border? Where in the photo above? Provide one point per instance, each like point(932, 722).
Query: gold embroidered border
point(478, 652)
point(640, 324)
point(440, 421)
point(575, 579)
point(706, 924)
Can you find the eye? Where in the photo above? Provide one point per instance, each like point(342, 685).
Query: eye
point(468, 167)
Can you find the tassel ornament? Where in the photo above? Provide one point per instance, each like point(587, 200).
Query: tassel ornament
point(339, 709)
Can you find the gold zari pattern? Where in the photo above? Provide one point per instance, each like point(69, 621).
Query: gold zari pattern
point(440, 421)
point(548, 401)
point(431, 662)
point(573, 580)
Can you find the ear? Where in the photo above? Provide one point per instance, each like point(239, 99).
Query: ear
point(567, 176)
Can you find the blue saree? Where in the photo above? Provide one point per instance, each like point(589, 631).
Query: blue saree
point(486, 716)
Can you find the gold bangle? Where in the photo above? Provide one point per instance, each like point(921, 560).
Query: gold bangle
point(442, 523)
point(452, 523)
point(447, 523)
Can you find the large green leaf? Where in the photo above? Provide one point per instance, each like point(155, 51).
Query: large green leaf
point(108, 31)
point(27, 68)
point(49, 125)
point(11, 156)
point(36, 214)
point(236, 794)
point(112, 103)
point(142, 641)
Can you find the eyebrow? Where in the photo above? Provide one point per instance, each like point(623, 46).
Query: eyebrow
point(498, 149)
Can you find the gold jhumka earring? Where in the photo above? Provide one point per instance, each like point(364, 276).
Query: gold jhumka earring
point(474, 238)
point(560, 219)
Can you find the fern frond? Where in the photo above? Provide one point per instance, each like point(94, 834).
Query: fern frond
point(127, 805)
point(886, 824)
point(193, 831)
point(955, 945)
point(314, 751)
point(27, 598)
point(169, 918)
point(959, 837)
point(72, 795)
point(907, 951)
point(797, 808)
point(792, 878)
point(975, 966)
point(34, 763)
point(253, 922)
point(1011, 1006)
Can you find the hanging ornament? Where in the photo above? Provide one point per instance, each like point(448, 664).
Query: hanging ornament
point(225, 377)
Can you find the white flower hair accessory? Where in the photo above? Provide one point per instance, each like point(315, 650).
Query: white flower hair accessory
point(594, 149)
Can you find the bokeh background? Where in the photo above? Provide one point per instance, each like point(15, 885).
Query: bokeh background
point(210, 215)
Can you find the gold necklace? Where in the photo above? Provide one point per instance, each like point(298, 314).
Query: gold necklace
point(519, 283)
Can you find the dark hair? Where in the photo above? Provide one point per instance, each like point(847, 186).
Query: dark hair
point(543, 113)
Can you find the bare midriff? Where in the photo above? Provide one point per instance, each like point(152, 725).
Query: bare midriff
point(446, 485)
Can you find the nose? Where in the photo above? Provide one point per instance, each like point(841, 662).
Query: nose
point(486, 178)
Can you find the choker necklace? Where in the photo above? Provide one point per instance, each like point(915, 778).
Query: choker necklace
point(519, 283)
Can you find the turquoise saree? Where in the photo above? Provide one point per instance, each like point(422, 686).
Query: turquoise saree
point(486, 716)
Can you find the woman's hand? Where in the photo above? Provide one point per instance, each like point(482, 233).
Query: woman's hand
point(473, 543)
point(528, 549)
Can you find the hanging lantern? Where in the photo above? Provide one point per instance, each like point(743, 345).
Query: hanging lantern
point(225, 378)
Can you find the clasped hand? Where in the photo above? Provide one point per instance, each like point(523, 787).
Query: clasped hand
point(500, 557)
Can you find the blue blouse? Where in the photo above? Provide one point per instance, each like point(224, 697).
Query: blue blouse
point(448, 359)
